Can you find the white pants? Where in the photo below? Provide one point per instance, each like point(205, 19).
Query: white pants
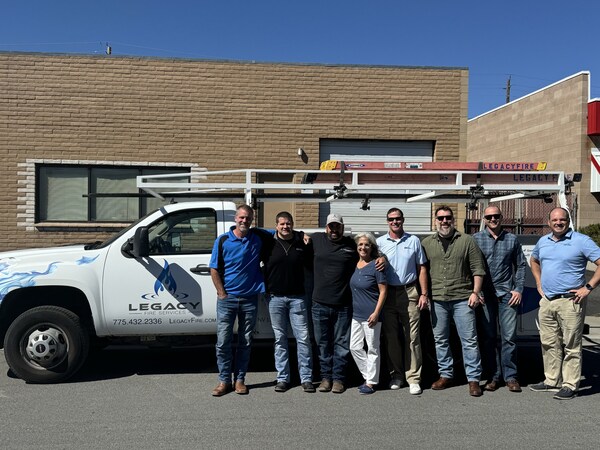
point(366, 361)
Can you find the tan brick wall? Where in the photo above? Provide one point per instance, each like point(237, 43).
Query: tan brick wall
point(549, 125)
point(216, 114)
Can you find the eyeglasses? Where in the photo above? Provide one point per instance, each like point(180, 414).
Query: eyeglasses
point(442, 218)
point(395, 219)
point(492, 216)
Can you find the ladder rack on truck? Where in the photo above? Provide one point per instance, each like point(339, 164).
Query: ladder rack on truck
point(339, 181)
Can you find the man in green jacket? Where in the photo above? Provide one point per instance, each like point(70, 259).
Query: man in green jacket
point(456, 270)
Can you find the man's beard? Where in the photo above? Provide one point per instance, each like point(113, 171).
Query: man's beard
point(445, 232)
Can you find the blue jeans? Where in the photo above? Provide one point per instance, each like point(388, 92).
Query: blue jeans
point(464, 318)
point(228, 309)
point(503, 361)
point(285, 311)
point(332, 333)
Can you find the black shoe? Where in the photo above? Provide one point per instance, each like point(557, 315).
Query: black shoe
point(308, 387)
point(543, 387)
point(282, 386)
point(565, 394)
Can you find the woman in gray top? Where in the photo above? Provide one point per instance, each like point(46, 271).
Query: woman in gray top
point(369, 289)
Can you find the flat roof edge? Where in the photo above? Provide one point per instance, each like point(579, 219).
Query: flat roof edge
point(535, 92)
point(230, 61)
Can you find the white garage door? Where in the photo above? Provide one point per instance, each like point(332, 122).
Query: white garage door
point(418, 215)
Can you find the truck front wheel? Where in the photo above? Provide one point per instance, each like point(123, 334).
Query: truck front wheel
point(46, 344)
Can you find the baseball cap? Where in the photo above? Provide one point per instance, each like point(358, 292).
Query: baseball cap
point(334, 218)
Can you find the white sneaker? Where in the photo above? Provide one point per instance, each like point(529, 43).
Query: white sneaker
point(414, 389)
point(395, 384)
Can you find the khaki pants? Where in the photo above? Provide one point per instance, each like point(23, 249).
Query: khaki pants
point(401, 315)
point(561, 324)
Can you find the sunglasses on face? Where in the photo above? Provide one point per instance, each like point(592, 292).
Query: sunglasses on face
point(395, 219)
point(492, 216)
point(442, 218)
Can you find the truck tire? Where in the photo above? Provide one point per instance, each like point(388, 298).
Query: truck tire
point(46, 344)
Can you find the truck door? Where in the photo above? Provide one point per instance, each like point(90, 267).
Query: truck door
point(170, 291)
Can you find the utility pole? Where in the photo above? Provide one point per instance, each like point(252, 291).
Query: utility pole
point(508, 90)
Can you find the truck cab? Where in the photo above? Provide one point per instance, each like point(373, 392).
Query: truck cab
point(149, 282)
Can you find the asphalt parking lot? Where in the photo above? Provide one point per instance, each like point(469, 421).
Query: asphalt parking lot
point(160, 399)
point(140, 398)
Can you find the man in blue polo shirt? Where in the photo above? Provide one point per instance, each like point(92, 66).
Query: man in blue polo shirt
point(236, 274)
point(407, 295)
point(558, 263)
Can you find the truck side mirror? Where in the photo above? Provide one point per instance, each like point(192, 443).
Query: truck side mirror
point(141, 244)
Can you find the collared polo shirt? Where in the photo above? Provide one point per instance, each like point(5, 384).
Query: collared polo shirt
point(404, 255)
point(563, 262)
point(506, 263)
point(243, 276)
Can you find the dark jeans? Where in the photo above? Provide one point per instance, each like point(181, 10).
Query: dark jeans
point(499, 363)
point(332, 334)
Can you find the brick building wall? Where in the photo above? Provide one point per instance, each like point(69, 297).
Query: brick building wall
point(211, 114)
point(549, 125)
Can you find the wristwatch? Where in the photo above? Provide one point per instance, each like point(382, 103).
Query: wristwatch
point(589, 287)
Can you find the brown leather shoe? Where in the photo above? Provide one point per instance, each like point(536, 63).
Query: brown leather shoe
point(491, 386)
point(441, 384)
point(513, 386)
point(325, 385)
point(221, 389)
point(338, 387)
point(474, 389)
point(241, 388)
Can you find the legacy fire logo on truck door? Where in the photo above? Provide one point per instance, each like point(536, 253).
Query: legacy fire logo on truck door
point(165, 283)
point(166, 296)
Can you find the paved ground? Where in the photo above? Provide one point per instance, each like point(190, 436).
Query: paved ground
point(160, 399)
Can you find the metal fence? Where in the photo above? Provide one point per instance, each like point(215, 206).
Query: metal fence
point(522, 216)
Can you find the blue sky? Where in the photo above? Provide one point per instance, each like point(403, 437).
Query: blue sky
point(535, 42)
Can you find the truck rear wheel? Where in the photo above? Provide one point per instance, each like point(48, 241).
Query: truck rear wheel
point(46, 344)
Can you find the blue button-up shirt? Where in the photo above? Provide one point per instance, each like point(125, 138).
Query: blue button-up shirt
point(563, 262)
point(506, 263)
point(404, 255)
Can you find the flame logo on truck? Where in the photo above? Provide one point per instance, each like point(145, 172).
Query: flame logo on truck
point(165, 283)
point(165, 280)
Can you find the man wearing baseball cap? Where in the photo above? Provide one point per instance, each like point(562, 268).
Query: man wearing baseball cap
point(335, 260)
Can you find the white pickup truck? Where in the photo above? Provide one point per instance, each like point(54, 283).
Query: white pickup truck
point(150, 283)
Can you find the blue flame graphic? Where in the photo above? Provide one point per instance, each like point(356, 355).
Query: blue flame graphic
point(165, 280)
point(10, 281)
point(86, 260)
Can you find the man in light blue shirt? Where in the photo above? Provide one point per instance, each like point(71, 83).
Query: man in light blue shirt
point(407, 295)
point(558, 263)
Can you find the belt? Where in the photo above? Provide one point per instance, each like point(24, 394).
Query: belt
point(563, 295)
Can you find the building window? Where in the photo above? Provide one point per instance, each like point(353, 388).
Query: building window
point(62, 193)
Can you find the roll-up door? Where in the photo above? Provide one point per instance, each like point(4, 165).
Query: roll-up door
point(418, 215)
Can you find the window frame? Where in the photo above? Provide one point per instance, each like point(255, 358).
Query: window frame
point(143, 210)
point(209, 213)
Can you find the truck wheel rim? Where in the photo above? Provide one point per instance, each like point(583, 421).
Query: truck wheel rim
point(45, 347)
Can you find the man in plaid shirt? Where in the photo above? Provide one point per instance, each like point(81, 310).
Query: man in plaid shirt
point(502, 291)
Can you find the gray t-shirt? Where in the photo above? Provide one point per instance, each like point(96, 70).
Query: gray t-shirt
point(365, 290)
